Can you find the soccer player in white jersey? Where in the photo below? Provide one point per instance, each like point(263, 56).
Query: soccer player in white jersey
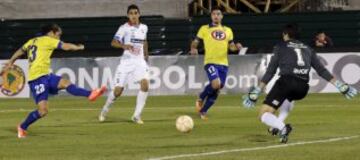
point(131, 37)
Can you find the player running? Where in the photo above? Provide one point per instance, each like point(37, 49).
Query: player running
point(41, 81)
point(217, 40)
point(294, 59)
point(131, 37)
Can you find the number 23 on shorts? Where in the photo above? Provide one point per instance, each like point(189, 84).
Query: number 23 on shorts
point(40, 88)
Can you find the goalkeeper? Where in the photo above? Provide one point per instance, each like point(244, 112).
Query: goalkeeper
point(294, 59)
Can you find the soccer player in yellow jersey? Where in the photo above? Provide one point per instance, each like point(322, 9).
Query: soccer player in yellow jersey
point(41, 81)
point(217, 40)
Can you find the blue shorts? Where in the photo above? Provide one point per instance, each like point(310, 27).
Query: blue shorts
point(214, 71)
point(43, 86)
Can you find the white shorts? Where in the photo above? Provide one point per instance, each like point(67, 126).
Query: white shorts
point(135, 69)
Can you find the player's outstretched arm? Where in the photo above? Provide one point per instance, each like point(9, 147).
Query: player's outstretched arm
point(348, 91)
point(12, 60)
point(72, 47)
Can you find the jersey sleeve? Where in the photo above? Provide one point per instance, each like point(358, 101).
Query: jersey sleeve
point(320, 68)
point(55, 43)
point(231, 35)
point(26, 46)
point(273, 65)
point(201, 33)
point(146, 31)
point(120, 33)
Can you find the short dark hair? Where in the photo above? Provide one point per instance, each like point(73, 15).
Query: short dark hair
point(292, 30)
point(320, 31)
point(133, 6)
point(216, 8)
point(45, 29)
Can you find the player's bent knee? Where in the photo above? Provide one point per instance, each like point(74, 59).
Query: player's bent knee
point(215, 84)
point(43, 109)
point(222, 85)
point(144, 85)
point(118, 91)
point(43, 112)
point(265, 108)
point(64, 83)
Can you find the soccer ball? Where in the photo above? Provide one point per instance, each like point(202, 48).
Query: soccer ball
point(184, 124)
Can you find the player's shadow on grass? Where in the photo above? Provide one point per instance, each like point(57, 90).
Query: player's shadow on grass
point(191, 114)
point(13, 134)
point(258, 138)
point(11, 131)
point(115, 120)
point(161, 120)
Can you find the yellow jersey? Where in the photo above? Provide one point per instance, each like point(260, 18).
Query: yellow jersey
point(39, 50)
point(216, 43)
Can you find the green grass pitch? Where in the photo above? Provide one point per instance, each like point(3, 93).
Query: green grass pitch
point(71, 131)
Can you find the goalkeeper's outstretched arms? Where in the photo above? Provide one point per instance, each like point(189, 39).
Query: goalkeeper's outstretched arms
point(348, 91)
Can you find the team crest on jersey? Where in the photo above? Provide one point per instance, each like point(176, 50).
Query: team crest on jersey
point(13, 81)
point(218, 35)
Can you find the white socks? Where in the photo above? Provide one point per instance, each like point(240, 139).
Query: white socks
point(272, 121)
point(109, 101)
point(278, 122)
point(140, 103)
point(284, 110)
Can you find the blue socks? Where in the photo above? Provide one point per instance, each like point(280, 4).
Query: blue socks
point(32, 117)
point(209, 95)
point(76, 91)
point(209, 101)
point(207, 91)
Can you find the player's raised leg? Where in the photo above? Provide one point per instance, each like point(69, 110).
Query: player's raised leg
point(77, 91)
point(140, 101)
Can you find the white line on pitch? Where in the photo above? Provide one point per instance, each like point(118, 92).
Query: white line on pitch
point(253, 148)
point(95, 109)
point(119, 107)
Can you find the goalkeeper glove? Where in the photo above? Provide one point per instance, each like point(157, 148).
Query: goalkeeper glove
point(250, 99)
point(348, 91)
